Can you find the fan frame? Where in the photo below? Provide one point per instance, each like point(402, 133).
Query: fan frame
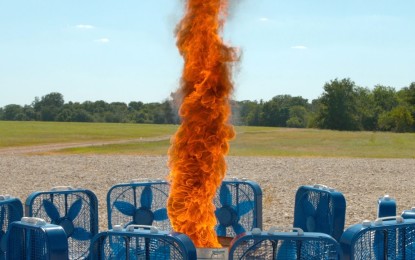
point(14, 212)
point(56, 242)
point(257, 199)
point(352, 234)
point(92, 203)
point(132, 185)
point(257, 236)
point(336, 198)
point(180, 241)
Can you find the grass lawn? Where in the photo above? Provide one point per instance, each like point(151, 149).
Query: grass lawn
point(16, 133)
point(249, 141)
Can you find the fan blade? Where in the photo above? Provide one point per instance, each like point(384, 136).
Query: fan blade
point(146, 197)
point(238, 228)
point(217, 212)
point(51, 210)
point(378, 244)
point(304, 213)
point(125, 208)
point(225, 196)
point(287, 250)
point(81, 234)
point(307, 206)
point(74, 209)
point(3, 242)
point(162, 252)
point(323, 220)
point(160, 214)
point(2, 215)
point(121, 254)
point(221, 230)
point(245, 207)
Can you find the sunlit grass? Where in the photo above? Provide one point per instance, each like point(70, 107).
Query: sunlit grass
point(323, 143)
point(38, 133)
point(249, 141)
point(138, 148)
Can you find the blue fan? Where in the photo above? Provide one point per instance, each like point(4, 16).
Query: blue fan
point(75, 210)
point(229, 215)
point(278, 244)
point(139, 203)
point(142, 215)
point(11, 209)
point(238, 207)
point(316, 216)
point(154, 251)
point(67, 221)
point(141, 242)
point(3, 240)
point(118, 248)
point(319, 208)
point(385, 238)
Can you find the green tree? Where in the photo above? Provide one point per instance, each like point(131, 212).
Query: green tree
point(49, 106)
point(338, 106)
point(407, 95)
point(276, 112)
point(398, 119)
point(13, 112)
point(366, 109)
point(298, 117)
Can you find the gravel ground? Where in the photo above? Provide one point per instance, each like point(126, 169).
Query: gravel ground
point(362, 181)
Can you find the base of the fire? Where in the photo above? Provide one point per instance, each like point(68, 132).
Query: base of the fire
point(216, 253)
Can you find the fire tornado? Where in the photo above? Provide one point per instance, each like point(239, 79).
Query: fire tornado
point(197, 153)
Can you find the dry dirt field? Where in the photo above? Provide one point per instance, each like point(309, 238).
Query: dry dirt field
point(362, 181)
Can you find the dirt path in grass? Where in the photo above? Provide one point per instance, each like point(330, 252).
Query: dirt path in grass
point(58, 146)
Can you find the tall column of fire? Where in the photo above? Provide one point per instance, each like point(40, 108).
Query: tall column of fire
point(196, 156)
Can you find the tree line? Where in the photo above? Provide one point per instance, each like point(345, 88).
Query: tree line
point(342, 106)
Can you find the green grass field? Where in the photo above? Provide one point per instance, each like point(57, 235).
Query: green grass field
point(249, 141)
point(38, 133)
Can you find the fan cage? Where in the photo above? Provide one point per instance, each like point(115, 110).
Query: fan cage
point(241, 192)
point(285, 248)
point(118, 247)
point(10, 210)
point(27, 244)
point(87, 217)
point(330, 221)
point(396, 242)
point(131, 193)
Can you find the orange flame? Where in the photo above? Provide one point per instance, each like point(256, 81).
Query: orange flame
point(197, 151)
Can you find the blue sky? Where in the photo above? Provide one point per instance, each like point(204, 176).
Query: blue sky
point(125, 50)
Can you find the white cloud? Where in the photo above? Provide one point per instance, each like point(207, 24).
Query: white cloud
point(85, 26)
point(263, 19)
point(103, 40)
point(299, 47)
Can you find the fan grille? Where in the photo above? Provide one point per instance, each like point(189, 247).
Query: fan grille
point(78, 249)
point(320, 210)
point(35, 244)
point(396, 243)
point(243, 198)
point(263, 248)
point(118, 246)
point(11, 209)
point(132, 194)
